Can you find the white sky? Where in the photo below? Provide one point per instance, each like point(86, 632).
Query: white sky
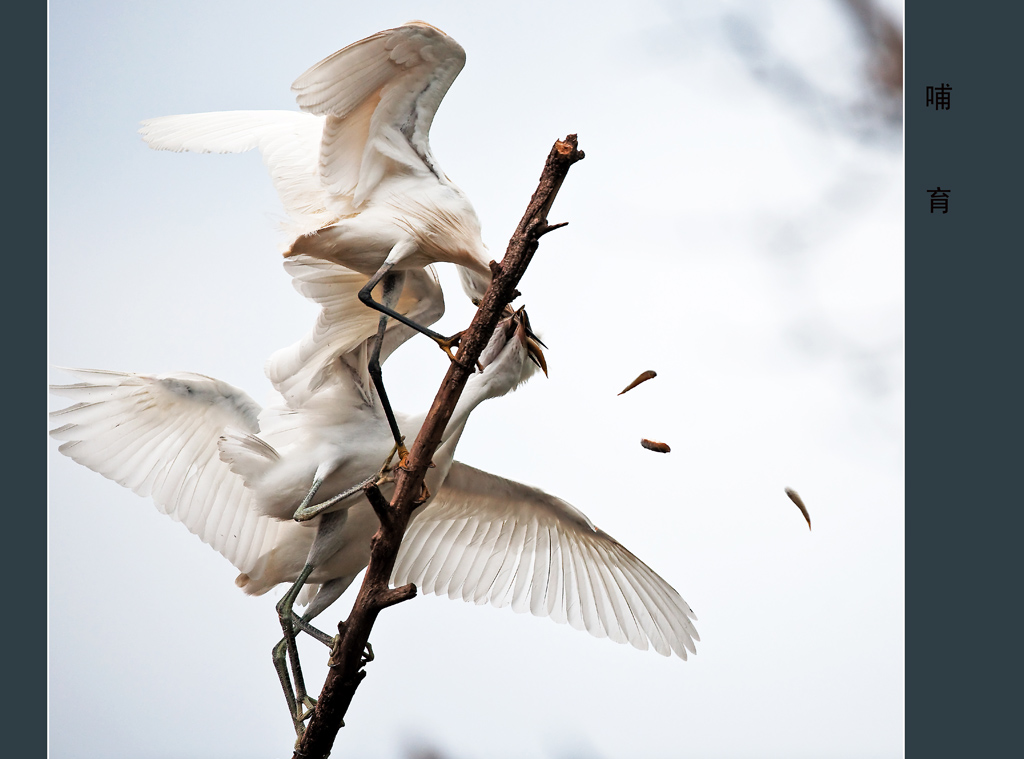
point(744, 243)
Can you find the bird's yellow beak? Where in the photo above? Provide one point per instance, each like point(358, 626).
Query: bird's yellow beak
point(536, 355)
point(532, 342)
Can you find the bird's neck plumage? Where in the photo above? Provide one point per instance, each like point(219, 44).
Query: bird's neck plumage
point(444, 227)
point(472, 396)
point(474, 282)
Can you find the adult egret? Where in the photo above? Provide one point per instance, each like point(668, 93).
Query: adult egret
point(481, 538)
point(354, 169)
point(304, 372)
point(329, 417)
point(213, 459)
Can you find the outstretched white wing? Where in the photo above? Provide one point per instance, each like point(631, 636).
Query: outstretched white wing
point(487, 539)
point(289, 142)
point(157, 435)
point(345, 326)
point(380, 96)
point(368, 107)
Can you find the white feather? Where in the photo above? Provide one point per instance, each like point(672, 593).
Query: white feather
point(487, 539)
point(157, 435)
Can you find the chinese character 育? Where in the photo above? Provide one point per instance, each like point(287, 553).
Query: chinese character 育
point(940, 199)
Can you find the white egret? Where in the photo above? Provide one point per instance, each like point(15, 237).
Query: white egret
point(328, 431)
point(354, 169)
point(480, 538)
point(211, 458)
point(303, 372)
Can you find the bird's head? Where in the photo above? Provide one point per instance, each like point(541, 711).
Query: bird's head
point(533, 343)
point(511, 356)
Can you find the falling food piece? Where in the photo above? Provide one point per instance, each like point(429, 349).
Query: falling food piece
point(795, 498)
point(642, 378)
point(654, 445)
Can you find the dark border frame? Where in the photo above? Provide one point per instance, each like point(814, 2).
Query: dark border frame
point(963, 282)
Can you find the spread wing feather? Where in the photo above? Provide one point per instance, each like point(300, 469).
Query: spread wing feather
point(380, 96)
point(343, 324)
point(486, 539)
point(289, 142)
point(157, 435)
point(367, 108)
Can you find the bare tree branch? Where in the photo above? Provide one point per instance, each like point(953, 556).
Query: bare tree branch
point(347, 660)
point(885, 41)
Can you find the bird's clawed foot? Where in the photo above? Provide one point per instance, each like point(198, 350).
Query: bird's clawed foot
point(387, 471)
point(365, 658)
point(448, 343)
point(424, 496)
point(333, 660)
point(309, 701)
point(398, 449)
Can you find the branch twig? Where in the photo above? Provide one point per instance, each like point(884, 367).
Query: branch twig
point(346, 663)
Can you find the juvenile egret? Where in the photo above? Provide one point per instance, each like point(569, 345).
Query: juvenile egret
point(354, 169)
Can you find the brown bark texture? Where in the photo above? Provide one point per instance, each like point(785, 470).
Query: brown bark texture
point(347, 658)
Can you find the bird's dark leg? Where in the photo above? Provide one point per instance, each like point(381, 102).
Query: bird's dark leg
point(305, 512)
point(298, 699)
point(366, 296)
point(302, 623)
point(304, 507)
point(288, 647)
point(392, 289)
point(280, 655)
point(329, 592)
